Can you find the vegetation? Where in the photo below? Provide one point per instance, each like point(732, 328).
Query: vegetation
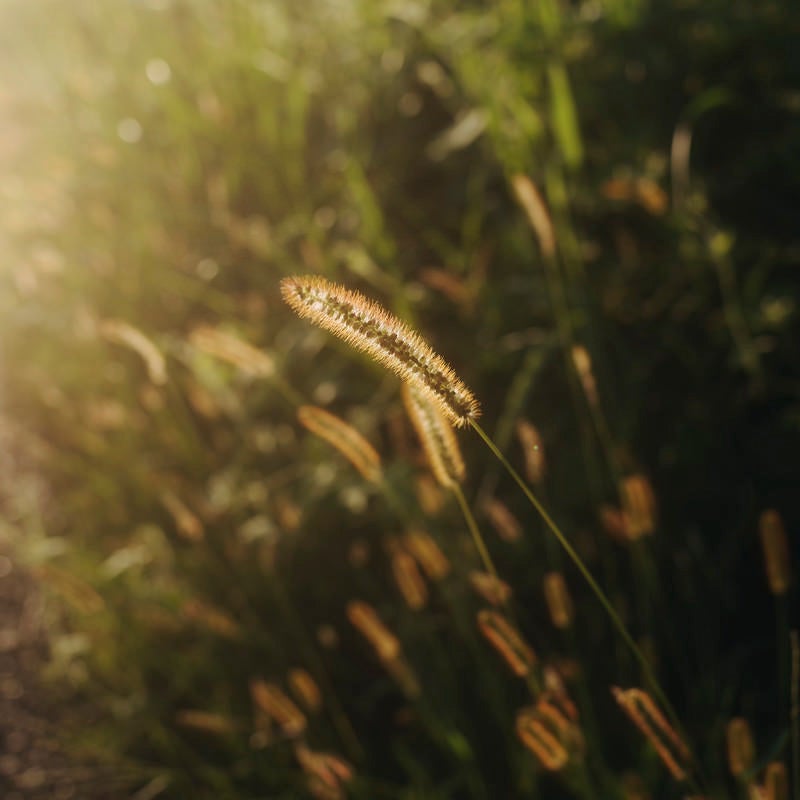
point(258, 575)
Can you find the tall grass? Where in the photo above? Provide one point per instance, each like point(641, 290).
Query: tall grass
point(250, 614)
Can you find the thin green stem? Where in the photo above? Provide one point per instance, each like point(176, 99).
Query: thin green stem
point(480, 545)
point(647, 671)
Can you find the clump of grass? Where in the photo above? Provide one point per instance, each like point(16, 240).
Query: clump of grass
point(510, 196)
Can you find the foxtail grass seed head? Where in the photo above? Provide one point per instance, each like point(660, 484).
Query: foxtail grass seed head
point(345, 438)
point(437, 437)
point(366, 620)
point(560, 716)
point(270, 699)
point(369, 327)
point(404, 676)
point(550, 752)
point(211, 618)
point(508, 642)
point(187, 523)
point(328, 771)
point(582, 362)
point(741, 749)
point(119, 332)
point(641, 709)
point(492, 589)
point(231, 349)
point(409, 580)
point(776, 551)
point(433, 561)
point(614, 522)
point(205, 721)
point(532, 450)
point(776, 781)
point(430, 494)
point(639, 506)
point(305, 689)
point(559, 601)
point(503, 521)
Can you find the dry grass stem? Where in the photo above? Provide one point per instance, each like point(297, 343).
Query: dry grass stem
point(671, 749)
point(507, 640)
point(345, 438)
point(369, 327)
point(437, 437)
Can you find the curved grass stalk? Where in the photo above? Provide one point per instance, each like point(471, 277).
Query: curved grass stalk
point(647, 670)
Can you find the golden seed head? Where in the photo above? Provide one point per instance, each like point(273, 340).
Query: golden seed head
point(741, 749)
point(541, 741)
point(271, 700)
point(429, 555)
point(503, 521)
point(582, 362)
point(776, 781)
point(305, 689)
point(533, 205)
point(233, 350)
point(532, 450)
point(644, 713)
point(206, 721)
point(559, 601)
point(119, 332)
point(507, 640)
point(364, 617)
point(345, 438)
point(492, 589)
point(776, 551)
point(639, 506)
point(437, 437)
point(369, 327)
point(326, 771)
point(409, 580)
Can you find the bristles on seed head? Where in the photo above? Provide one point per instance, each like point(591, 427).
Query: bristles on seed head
point(437, 437)
point(369, 327)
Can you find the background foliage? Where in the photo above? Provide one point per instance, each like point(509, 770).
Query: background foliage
point(166, 162)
